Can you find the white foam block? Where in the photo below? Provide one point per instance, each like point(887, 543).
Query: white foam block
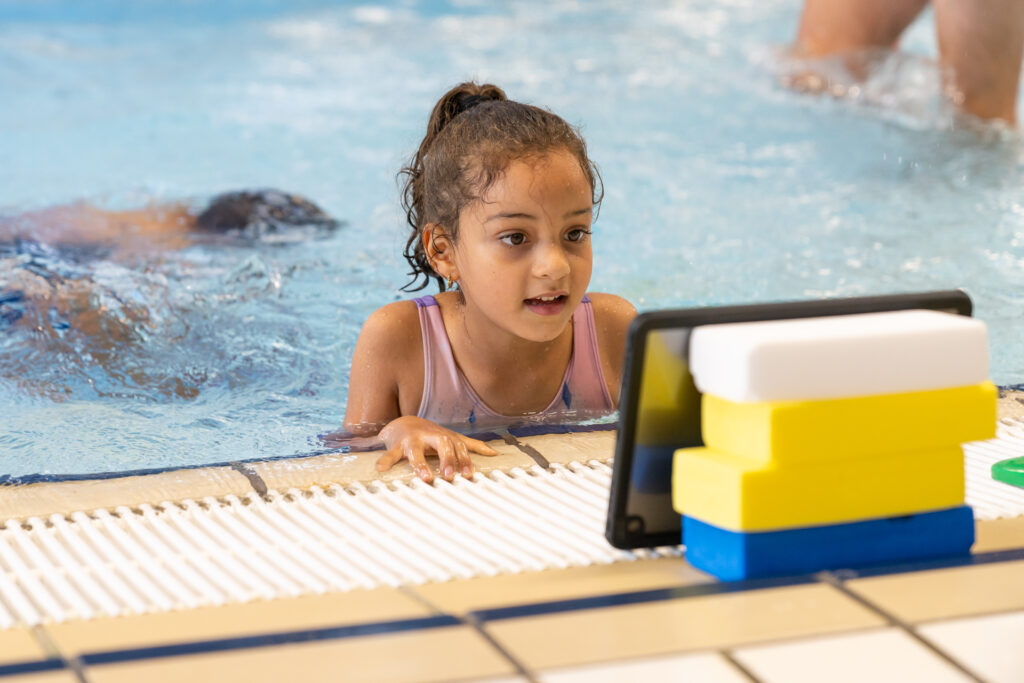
point(839, 356)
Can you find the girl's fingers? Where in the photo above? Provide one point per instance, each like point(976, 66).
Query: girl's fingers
point(446, 457)
point(478, 446)
point(462, 455)
point(390, 457)
point(414, 453)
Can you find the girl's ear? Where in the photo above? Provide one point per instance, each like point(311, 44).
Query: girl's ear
point(439, 250)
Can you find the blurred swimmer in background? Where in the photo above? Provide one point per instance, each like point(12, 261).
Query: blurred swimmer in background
point(267, 215)
point(980, 46)
point(78, 281)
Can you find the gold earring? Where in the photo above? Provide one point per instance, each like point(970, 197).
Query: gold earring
point(451, 283)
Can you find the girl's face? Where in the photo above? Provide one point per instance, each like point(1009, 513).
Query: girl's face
point(523, 257)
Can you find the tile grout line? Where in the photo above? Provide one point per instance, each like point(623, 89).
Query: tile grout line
point(253, 477)
point(529, 450)
point(50, 647)
point(731, 658)
point(837, 582)
point(472, 621)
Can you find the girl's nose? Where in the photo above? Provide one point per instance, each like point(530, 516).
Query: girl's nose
point(551, 263)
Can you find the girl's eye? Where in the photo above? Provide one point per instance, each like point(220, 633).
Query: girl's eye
point(514, 239)
point(577, 235)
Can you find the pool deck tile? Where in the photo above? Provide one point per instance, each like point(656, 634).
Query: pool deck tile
point(878, 655)
point(461, 597)
point(62, 676)
point(325, 470)
point(946, 593)
point(573, 447)
point(990, 646)
point(441, 654)
point(705, 667)
point(237, 620)
point(1010, 404)
point(679, 625)
point(45, 499)
point(998, 534)
point(19, 645)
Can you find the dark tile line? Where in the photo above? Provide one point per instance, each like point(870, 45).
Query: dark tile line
point(655, 595)
point(50, 647)
point(468, 620)
point(731, 658)
point(37, 666)
point(255, 480)
point(892, 620)
point(934, 563)
point(636, 598)
point(262, 640)
point(529, 450)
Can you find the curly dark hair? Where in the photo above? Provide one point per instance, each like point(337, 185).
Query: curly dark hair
point(473, 134)
point(259, 212)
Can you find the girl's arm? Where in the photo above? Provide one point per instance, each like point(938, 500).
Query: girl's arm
point(380, 358)
point(385, 387)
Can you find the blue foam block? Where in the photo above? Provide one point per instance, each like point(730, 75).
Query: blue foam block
point(731, 555)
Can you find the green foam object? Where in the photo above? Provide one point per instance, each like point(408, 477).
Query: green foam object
point(1009, 471)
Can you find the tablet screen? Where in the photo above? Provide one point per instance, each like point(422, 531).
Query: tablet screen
point(660, 405)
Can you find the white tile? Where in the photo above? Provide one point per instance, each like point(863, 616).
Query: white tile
point(878, 656)
point(707, 668)
point(990, 646)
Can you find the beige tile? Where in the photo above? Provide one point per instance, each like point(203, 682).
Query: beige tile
point(19, 645)
point(694, 623)
point(440, 654)
point(573, 447)
point(998, 534)
point(43, 677)
point(1010, 404)
point(459, 597)
point(706, 668)
point(41, 500)
point(946, 593)
point(881, 656)
point(325, 470)
point(207, 623)
point(989, 646)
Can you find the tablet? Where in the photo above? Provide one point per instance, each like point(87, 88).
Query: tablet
point(659, 405)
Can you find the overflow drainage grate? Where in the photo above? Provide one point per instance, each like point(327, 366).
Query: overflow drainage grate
point(215, 551)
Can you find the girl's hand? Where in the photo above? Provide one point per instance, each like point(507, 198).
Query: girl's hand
point(414, 438)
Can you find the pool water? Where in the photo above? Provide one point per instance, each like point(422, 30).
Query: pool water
point(721, 186)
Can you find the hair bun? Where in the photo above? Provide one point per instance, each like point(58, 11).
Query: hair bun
point(467, 102)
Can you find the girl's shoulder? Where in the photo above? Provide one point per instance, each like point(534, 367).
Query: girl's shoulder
point(391, 340)
point(394, 324)
point(611, 310)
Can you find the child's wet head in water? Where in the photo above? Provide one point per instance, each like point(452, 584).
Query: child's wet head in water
point(500, 198)
point(256, 213)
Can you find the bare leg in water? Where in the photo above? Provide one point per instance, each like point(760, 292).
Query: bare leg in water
point(980, 43)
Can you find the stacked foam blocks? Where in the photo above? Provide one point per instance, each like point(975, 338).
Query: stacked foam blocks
point(832, 442)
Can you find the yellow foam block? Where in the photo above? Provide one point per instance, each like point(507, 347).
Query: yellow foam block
point(793, 432)
point(741, 494)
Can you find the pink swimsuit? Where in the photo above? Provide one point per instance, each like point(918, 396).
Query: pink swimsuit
point(448, 399)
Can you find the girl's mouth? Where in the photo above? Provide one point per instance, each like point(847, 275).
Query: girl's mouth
point(547, 305)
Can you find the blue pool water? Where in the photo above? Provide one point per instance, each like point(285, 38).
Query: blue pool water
point(721, 186)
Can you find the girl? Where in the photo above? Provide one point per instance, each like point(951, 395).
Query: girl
point(500, 197)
